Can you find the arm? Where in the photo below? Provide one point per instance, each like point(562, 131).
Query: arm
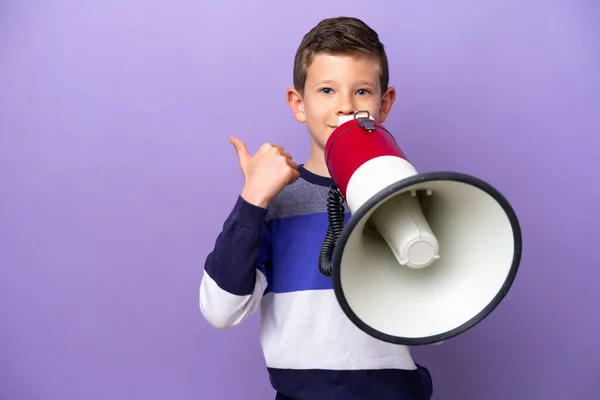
point(234, 278)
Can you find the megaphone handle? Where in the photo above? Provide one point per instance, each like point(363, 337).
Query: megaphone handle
point(335, 214)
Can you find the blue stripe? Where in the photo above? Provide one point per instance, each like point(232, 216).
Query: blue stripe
point(296, 243)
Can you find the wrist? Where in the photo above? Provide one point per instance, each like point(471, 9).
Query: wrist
point(254, 198)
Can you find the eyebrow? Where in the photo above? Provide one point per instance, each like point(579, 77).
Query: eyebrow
point(364, 82)
point(330, 81)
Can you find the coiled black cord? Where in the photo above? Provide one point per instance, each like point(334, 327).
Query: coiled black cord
point(335, 213)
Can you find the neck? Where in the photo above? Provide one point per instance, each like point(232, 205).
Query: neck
point(316, 163)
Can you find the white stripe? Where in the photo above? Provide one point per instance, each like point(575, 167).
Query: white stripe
point(375, 175)
point(308, 330)
point(224, 310)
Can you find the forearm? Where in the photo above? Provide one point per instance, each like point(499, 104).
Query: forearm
point(232, 285)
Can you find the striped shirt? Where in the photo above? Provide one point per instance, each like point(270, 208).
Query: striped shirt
point(268, 259)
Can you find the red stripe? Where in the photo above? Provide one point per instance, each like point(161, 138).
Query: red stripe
point(351, 145)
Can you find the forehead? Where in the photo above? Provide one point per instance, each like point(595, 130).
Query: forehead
point(329, 67)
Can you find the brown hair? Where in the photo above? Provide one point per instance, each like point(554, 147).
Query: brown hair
point(339, 36)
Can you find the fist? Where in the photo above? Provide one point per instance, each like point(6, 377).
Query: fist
point(266, 173)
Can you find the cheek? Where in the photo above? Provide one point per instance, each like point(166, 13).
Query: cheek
point(373, 105)
point(318, 106)
point(318, 111)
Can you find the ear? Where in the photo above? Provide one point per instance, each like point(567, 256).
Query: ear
point(296, 104)
point(387, 101)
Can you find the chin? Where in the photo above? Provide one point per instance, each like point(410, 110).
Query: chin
point(325, 138)
point(320, 139)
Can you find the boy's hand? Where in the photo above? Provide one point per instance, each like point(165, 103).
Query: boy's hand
point(266, 173)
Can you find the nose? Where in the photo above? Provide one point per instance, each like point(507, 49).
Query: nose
point(345, 105)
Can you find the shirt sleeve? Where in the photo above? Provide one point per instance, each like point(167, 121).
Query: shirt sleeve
point(234, 278)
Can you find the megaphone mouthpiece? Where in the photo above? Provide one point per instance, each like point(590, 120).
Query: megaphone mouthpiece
point(342, 119)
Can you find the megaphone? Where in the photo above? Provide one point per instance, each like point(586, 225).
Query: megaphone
point(423, 257)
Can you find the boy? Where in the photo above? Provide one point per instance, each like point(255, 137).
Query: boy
point(267, 253)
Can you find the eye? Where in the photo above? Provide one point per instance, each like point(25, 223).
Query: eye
point(326, 90)
point(362, 92)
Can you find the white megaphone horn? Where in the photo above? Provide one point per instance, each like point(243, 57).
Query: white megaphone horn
point(423, 257)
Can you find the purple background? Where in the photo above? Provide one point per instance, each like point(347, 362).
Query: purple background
point(114, 118)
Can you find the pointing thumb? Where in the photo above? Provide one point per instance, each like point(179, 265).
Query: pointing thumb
point(241, 149)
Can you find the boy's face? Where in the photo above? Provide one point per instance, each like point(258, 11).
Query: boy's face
point(339, 85)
